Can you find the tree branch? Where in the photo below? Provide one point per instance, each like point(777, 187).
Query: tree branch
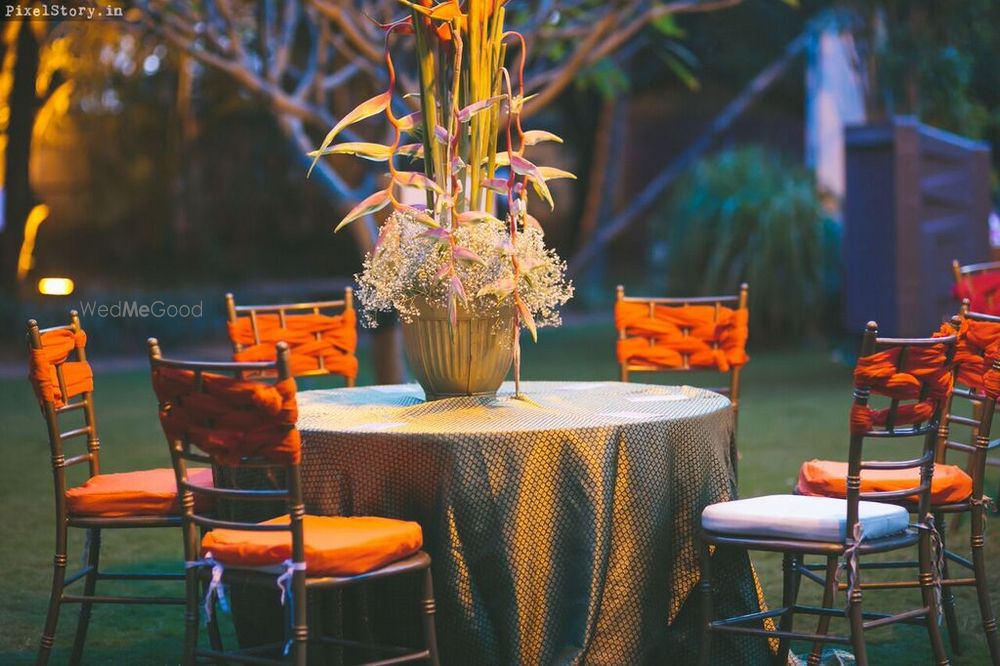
point(278, 98)
point(364, 233)
point(568, 72)
point(617, 39)
point(350, 27)
point(553, 81)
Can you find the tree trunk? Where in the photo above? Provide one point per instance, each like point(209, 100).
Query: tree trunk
point(387, 352)
point(605, 173)
point(387, 341)
point(187, 128)
point(18, 197)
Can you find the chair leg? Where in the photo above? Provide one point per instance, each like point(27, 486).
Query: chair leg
point(929, 596)
point(299, 621)
point(55, 597)
point(89, 588)
point(428, 608)
point(789, 597)
point(947, 597)
point(705, 594)
point(316, 605)
point(192, 614)
point(214, 634)
point(982, 584)
point(857, 623)
point(829, 592)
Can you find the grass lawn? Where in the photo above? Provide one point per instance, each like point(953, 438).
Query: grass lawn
point(794, 407)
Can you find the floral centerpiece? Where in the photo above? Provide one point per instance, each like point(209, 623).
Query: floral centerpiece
point(454, 257)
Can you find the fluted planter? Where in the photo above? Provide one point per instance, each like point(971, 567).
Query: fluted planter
point(472, 358)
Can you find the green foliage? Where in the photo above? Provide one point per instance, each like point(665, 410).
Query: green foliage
point(935, 60)
point(749, 215)
point(605, 77)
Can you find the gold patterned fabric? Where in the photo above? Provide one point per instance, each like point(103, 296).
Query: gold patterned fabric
point(562, 529)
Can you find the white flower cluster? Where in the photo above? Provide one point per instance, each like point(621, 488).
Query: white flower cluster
point(410, 266)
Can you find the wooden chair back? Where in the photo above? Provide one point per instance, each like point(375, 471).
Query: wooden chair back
point(71, 404)
point(980, 283)
point(738, 301)
point(970, 388)
point(341, 312)
point(922, 360)
point(183, 452)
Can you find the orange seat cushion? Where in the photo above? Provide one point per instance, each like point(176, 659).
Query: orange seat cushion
point(828, 478)
point(149, 492)
point(335, 546)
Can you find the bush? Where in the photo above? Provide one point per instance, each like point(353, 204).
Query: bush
point(750, 215)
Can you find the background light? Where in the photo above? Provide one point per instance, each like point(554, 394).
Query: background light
point(55, 286)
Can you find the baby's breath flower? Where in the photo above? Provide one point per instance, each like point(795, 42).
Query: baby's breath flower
point(410, 265)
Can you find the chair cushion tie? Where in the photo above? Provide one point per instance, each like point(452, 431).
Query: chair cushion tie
point(215, 588)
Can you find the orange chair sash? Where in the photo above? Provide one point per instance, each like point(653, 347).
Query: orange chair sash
point(982, 290)
point(716, 337)
point(230, 419)
point(977, 348)
point(926, 378)
point(56, 348)
point(336, 345)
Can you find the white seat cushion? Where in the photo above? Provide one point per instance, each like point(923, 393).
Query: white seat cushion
point(802, 517)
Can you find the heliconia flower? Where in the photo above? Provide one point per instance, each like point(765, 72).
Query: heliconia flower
point(375, 152)
point(495, 184)
point(501, 289)
point(414, 150)
point(366, 109)
point(443, 272)
point(437, 233)
point(472, 216)
point(408, 123)
point(459, 289)
point(465, 114)
point(372, 204)
point(444, 13)
point(531, 222)
point(532, 137)
point(465, 254)
point(449, 251)
point(551, 173)
point(526, 318)
point(418, 214)
point(416, 179)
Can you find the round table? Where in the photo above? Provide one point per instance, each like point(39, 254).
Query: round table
point(562, 527)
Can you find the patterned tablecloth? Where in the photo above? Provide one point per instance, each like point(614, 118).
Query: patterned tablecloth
point(561, 528)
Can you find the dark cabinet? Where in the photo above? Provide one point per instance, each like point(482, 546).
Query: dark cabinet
point(917, 197)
